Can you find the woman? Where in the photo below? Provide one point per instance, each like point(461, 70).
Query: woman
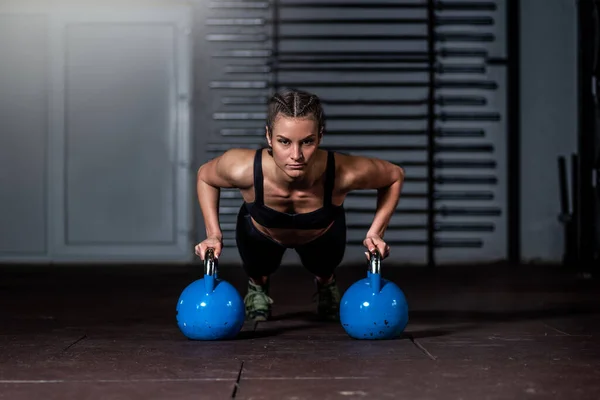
point(293, 198)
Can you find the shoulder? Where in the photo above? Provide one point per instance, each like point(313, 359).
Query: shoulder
point(238, 158)
point(238, 164)
point(355, 172)
point(233, 168)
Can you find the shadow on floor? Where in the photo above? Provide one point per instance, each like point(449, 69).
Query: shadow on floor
point(450, 321)
point(562, 310)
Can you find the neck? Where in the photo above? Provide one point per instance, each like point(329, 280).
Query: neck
point(296, 183)
point(305, 181)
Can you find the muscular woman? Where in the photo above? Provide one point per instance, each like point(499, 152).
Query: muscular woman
point(293, 194)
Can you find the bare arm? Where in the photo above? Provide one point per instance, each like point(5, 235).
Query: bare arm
point(362, 173)
point(230, 170)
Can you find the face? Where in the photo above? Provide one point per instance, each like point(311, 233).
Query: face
point(294, 142)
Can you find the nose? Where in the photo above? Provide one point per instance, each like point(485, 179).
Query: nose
point(297, 153)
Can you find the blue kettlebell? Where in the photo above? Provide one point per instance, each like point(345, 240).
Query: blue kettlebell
point(373, 307)
point(210, 308)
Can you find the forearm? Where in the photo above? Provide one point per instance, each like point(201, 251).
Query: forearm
point(387, 200)
point(208, 197)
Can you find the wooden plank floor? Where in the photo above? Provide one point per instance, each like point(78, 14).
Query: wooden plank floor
point(480, 332)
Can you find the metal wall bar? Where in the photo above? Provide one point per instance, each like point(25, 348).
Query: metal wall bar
point(274, 62)
point(585, 206)
point(513, 135)
point(473, 21)
point(440, 132)
point(439, 5)
point(431, 39)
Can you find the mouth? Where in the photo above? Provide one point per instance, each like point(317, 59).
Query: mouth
point(296, 166)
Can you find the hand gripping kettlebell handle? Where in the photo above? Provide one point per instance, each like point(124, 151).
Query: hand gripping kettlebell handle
point(210, 263)
point(375, 270)
point(375, 262)
point(210, 270)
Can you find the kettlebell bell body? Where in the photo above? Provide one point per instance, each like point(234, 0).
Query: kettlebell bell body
point(374, 307)
point(210, 308)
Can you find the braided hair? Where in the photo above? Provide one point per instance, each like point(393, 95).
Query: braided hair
point(296, 104)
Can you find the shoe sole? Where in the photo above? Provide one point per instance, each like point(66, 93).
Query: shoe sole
point(257, 318)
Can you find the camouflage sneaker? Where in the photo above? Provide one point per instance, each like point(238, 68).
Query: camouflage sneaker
point(328, 300)
point(258, 303)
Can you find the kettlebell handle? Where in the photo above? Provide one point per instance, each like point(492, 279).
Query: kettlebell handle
point(210, 263)
point(375, 262)
point(210, 270)
point(375, 271)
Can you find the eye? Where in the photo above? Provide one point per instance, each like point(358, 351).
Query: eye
point(309, 141)
point(283, 141)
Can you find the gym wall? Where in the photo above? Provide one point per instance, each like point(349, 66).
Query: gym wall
point(107, 111)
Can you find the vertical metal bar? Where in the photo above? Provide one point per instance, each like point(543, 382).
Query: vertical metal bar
point(565, 216)
point(275, 20)
point(513, 134)
point(576, 204)
point(565, 205)
point(587, 127)
point(431, 39)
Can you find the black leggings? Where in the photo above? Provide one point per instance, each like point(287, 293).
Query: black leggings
point(261, 255)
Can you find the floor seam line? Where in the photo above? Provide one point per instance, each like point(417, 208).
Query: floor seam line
point(556, 330)
point(422, 348)
point(236, 385)
point(84, 336)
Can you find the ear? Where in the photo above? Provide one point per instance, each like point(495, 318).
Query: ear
point(269, 136)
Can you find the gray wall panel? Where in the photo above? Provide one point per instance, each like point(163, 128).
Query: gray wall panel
point(549, 120)
point(23, 134)
point(120, 134)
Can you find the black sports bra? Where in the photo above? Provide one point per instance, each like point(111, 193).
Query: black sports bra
point(270, 218)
